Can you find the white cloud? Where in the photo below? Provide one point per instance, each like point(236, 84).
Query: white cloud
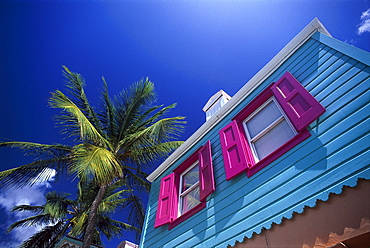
point(10, 244)
point(364, 26)
point(26, 195)
point(34, 195)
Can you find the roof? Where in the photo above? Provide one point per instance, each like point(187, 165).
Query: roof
point(314, 26)
point(72, 242)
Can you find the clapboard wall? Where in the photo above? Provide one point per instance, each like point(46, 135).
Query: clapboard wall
point(336, 154)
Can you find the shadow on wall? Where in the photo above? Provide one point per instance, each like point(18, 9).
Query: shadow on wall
point(316, 158)
point(247, 205)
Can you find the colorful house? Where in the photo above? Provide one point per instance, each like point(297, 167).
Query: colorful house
point(283, 163)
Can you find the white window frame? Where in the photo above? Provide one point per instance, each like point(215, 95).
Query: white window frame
point(268, 128)
point(182, 194)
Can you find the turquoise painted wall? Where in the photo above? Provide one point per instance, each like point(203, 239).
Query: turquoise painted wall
point(336, 154)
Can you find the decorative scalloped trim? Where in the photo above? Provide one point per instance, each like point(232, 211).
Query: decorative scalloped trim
point(310, 203)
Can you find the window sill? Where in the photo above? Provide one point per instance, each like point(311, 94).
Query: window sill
point(187, 215)
point(278, 152)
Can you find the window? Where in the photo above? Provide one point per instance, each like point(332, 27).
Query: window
point(189, 189)
point(273, 123)
point(184, 192)
point(267, 129)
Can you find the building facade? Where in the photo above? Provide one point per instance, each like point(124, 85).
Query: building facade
point(284, 162)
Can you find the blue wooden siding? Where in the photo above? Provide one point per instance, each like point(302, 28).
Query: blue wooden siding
point(335, 155)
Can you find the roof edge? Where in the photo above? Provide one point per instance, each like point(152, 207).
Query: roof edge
point(314, 26)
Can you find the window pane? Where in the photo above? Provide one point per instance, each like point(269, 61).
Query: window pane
point(190, 200)
point(273, 139)
point(263, 119)
point(190, 178)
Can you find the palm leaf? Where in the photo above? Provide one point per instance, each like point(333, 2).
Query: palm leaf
point(32, 173)
point(111, 228)
point(106, 115)
point(75, 121)
point(160, 131)
point(137, 180)
point(136, 212)
point(37, 149)
point(149, 117)
point(79, 224)
point(113, 201)
point(57, 204)
point(36, 220)
point(166, 129)
point(34, 209)
point(130, 103)
point(149, 155)
point(76, 84)
point(48, 237)
point(93, 162)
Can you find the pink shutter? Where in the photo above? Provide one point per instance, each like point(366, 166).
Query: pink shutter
point(166, 209)
point(233, 150)
point(299, 105)
point(206, 178)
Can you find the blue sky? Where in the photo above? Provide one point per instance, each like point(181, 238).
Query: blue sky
point(189, 49)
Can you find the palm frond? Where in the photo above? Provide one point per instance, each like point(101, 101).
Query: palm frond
point(112, 197)
point(106, 115)
point(76, 85)
point(111, 228)
point(48, 237)
point(79, 223)
point(148, 155)
point(161, 131)
point(86, 192)
point(36, 220)
point(38, 150)
point(97, 237)
point(136, 212)
point(29, 208)
point(95, 163)
point(137, 180)
point(75, 121)
point(142, 120)
point(57, 204)
point(151, 116)
point(32, 173)
point(110, 203)
point(166, 129)
point(130, 104)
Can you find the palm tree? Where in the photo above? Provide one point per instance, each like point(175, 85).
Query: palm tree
point(61, 216)
point(118, 142)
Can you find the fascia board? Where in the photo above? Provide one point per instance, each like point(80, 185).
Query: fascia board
point(314, 26)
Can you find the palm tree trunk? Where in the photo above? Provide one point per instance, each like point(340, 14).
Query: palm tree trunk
point(88, 237)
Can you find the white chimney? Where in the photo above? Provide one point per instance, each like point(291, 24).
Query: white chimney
point(215, 103)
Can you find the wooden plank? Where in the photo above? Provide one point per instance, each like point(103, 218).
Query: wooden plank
point(335, 155)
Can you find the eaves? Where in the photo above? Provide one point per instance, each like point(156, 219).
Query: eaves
point(314, 26)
